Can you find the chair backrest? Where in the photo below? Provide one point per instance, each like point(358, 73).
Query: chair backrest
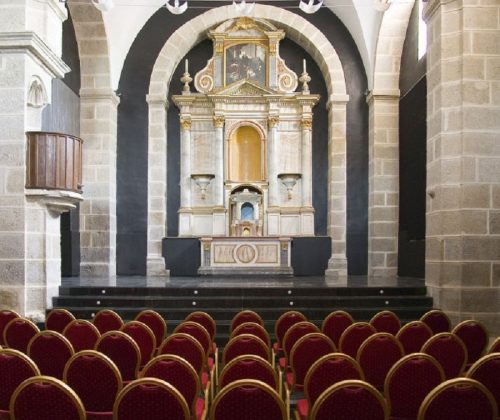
point(198, 331)
point(15, 367)
point(246, 316)
point(437, 321)
point(123, 351)
point(327, 371)
point(377, 355)
point(475, 338)
point(18, 333)
point(284, 322)
point(449, 350)
point(254, 329)
point(413, 335)
point(143, 336)
point(487, 371)
point(495, 347)
point(95, 379)
point(300, 329)
point(57, 319)
point(81, 334)
point(408, 383)
point(459, 398)
point(150, 398)
point(107, 320)
point(248, 399)
point(353, 336)
point(245, 344)
point(335, 324)
point(307, 350)
point(204, 319)
point(49, 398)
point(249, 366)
point(178, 372)
point(50, 351)
point(154, 321)
point(5, 317)
point(350, 399)
point(185, 346)
point(386, 321)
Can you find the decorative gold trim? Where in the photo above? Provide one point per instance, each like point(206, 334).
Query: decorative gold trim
point(237, 331)
point(480, 325)
point(258, 318)
point(158, 317)
point(436, 312)
point(335, 313)
point(288, 334)
point(265, 363)
point(189, 338)
point(82, 322)
point(258, 340)
point(352, 327)
point(201, 328)
point(219, 121)
point(19, 354)
point(151, 382)
point(412, 324)
point(207, 317)
point(273, 121)
point(281, 319)
point(110, 312)
point(438, 337)
point(16, 320)
point(61, 337)
point(383, 313)
point(149, 332)
point(59, 311)
point(244, 23)
point(306, 123)
point(129, 339)
point(495, 346)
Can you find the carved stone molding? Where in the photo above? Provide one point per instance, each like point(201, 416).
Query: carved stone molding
point(306, 123)
point(273, 121)
point(186, 123)
point(219, 121)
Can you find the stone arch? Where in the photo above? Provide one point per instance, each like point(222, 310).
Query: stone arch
point(383, 151)
point(322, 51)
point(98, 128)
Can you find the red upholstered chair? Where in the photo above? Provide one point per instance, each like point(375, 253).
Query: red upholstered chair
point(96, 380)
point(449, 351)
point(459, 398)
point(152, 399)
point(15, 367)
point(350, 399)
point(408, 383)
point(185, 346)
point(198, 331)
point(245, 344)
point(107, 320)
point(154, 321)
point(352, 338)
point(18, 333)
point(5, 317)
point(413, 335)
point(487, 371)
point(49, 398)
point(437, 321)
point(249, 366)
point(296, 331)
point(254, 329)
point(495, 347)
point(178, 372)
point(386, 321)
point(335, 324)
point(377, 355)
point(123, 351)
point(475, 338)
point(283, 323)
point(247, 399)
point(58, 319)
point(245, 316)
point(50, 351)
point(143, 336)
point(325, 372)
point(81, 334)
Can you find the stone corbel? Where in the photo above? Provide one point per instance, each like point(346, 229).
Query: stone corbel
point(56, 201)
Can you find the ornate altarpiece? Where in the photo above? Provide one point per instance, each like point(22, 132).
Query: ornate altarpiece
point(246, 160)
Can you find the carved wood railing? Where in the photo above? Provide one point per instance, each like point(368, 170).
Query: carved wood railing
point(54, 161)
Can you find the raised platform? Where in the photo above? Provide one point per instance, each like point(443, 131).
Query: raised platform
point(176, 297)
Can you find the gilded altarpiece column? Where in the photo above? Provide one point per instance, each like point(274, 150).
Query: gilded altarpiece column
point(185, 181)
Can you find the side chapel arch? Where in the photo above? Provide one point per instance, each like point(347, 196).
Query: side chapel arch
point(320, 48)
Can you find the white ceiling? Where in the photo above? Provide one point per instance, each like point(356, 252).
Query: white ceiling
point(359, 16)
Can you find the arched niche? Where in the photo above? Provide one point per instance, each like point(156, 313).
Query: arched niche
point(246, 151)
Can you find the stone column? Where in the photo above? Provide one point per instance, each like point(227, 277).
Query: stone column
point(337, 186)
point(383, 175)
point(185, 181)
point(463, 159)
point(30, 51)
point(272, 164)
point(306, 161)
point(157, 184)
point(219, 157)
point(98, 115)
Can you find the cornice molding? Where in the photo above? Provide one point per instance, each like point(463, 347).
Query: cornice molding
point(383, 95)
point(30, 43)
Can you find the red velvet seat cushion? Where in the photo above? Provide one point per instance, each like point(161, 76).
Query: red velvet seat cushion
point(290, 382)
point(282, 363)
point(199, 408)
point(303, 409)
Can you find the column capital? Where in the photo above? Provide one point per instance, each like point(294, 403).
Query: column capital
point(99, 94)
point(306, 123)
point(273, 121)
point(383, 95)
point(153, 99)
point(336, 100)
point(186, 123)
point(219, 121)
